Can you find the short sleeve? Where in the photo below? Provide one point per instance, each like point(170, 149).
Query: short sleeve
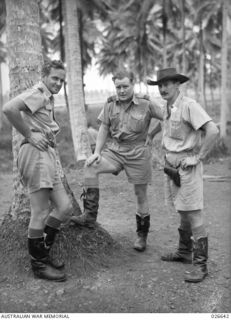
point(33, 99)
point(194, 114)
point(156, 110)
point(104, 115)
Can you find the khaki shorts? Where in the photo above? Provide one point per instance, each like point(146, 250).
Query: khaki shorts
point(189, 196)
point(135, 160)
point(38, 169)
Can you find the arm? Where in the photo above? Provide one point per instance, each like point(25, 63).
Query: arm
point(152, 134)
point(12, 110)
point(100, 142)
point(211, 133)
point(156, 130)
point(156, 109)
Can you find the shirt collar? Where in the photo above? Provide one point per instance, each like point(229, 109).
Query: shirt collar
point(134, 99)
point(45, 89)
point(178, 100)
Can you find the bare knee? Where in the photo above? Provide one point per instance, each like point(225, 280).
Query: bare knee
point(141, 193)
point(64, 211)
point(38, 218)
point(194, 217)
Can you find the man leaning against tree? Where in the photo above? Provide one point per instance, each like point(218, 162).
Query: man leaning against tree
point(32, 115)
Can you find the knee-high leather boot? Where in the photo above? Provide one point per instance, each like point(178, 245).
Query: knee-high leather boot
point(50, 235)
point(142, 230)
point(200, 257)
point(39, 257)
point(91, 206)
point(184, 250)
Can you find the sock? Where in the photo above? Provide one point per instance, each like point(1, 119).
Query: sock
point(142, 215)
point(51, 229)
point(199, 232)
point(186, 226)
point(91, 183)
point(35, 233)
point(53, 222)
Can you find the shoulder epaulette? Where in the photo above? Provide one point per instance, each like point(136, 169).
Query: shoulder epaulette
point(111, 99)
point(143, 96)
point(40, 89)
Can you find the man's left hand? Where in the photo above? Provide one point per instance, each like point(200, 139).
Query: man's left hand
point(190, 161)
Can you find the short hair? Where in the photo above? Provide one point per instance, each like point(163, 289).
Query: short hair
point(49, 64)
point(121, 74)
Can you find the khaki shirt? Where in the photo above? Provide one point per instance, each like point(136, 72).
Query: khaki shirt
point(40, 116)
point(181, 130)
point(129, 124)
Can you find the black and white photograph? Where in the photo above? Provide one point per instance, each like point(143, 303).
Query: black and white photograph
point(115, 159)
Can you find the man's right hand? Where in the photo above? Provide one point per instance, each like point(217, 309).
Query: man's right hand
point(38, 140)
point(95, 157)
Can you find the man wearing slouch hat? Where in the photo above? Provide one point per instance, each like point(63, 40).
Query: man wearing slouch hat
point(188, 135)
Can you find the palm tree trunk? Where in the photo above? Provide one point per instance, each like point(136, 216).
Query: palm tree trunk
point(25, 58)
point(211, 85)
point(224, 106)
point(75, 84)
point(62, 49)
point(1, 100)
point(182, 6)
point(183, 36)
point(201, 82)
point(164, 22)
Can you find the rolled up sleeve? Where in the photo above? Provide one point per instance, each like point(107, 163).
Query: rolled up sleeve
point(196, 115)
point(156, 110)
point(104, 115)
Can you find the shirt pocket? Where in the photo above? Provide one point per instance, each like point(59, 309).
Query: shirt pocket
point(137, 122)
point(115, 121)
point(44, 115)
point(176, 130)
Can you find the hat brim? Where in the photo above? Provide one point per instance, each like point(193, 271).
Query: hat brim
point(176, 77)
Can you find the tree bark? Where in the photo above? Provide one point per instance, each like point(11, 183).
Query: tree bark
point(183, 36)
point(201, 82)
point(62, 49)
point(164, 23)
point(224, 106)
point(77, 113)
point(1, 100)
point(25, 60)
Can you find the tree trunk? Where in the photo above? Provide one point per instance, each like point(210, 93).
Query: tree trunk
point(224, 106)
point(182, 6)
point(75, 84)
point(211, 86)
point(62, 49)
point(1, 100)
point(164, 23)
point(25, 59)
point(183, 36)
point(201, 82)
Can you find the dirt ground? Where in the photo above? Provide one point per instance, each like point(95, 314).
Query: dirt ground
point(136, 282)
